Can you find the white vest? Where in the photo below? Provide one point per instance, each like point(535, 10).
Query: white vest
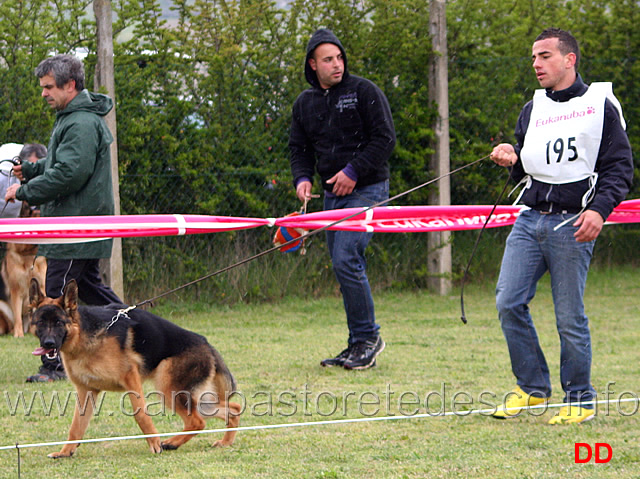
point(563, 138)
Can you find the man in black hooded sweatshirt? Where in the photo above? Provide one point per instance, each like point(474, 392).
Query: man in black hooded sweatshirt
point(342, 127)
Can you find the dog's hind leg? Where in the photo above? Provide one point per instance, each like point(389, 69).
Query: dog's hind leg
point(185, 405)
point(229, 412)
point(81, 418)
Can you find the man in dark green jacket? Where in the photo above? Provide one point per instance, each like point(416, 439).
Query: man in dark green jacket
point(73, 180)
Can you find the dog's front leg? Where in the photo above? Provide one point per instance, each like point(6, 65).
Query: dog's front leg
point(133, 383)
point(16, 307)
point(81, 418)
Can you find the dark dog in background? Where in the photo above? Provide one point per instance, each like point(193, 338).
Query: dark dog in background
point(105, 351)
point(19, 265)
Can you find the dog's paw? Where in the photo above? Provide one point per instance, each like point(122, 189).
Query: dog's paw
point(155, 445)
point(59, 455)
point(221, 443)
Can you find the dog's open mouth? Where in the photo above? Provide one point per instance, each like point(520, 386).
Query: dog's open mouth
point(49, 353)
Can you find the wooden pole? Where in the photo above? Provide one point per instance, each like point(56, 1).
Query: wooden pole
point(104, 78)
point(439, 243)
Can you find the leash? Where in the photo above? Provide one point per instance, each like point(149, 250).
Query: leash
point(475, 247)
point(6, 203)
point(303, 210)
point(303, 237)
point(120, 314)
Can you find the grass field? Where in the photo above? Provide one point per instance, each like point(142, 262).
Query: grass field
point(432, 364)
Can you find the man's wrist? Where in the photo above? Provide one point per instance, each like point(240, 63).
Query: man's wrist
point(351, 173)
point(301, 180)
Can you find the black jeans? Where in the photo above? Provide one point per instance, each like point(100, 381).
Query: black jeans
point(86, 272)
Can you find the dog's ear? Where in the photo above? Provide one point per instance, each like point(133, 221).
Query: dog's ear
point(36, 295)
point(70, 296)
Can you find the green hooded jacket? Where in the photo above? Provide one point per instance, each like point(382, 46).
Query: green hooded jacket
point(75, 177)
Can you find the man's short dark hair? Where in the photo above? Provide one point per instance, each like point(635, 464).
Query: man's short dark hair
point(63, 68)
point(32, 148)
point(567, 43)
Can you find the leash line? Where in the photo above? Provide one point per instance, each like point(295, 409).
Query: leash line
point(308, 234)
point(485, 412)
point(463, 316)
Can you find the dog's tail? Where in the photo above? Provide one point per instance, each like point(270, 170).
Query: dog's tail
point(221, 383)
point(225, 382)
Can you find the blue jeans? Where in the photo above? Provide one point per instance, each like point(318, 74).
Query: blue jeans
point(349, 264)
point(532, 249)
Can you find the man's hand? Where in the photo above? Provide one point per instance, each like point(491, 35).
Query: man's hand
point(504, 155)
point(342, 184)
point(17, 172)
point(303, 191)
point(10, 195)
point(590, 223)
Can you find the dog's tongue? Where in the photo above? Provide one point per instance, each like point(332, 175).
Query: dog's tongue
point(40, 351)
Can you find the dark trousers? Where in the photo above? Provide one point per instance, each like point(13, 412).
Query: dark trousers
point(91, 289)
point(86, 272)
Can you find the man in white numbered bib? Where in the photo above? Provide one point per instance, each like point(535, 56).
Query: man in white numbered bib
point(574, 159)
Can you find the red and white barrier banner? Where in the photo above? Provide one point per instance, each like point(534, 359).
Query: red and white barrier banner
point(75, 229)
point(626, 212)
point(421, 219)
point(382, 219)
point(405, 219)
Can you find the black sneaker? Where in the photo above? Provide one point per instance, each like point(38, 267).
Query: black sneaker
point(338, 360)
point(363, 354)
point(46, 375)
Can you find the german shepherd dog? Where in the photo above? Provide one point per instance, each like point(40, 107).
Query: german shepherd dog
point(19, 265)
point(105, 351)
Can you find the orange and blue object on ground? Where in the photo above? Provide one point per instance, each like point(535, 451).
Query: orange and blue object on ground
point(284, 235)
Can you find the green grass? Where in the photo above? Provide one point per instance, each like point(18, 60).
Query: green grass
point(275, 349)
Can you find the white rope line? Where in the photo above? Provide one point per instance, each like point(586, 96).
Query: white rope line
point(311, 423)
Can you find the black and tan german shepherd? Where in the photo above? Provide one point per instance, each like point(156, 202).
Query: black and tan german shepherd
point(102, 355)
point(19, 265)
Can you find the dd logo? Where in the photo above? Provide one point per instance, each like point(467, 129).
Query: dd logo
point(590, 452)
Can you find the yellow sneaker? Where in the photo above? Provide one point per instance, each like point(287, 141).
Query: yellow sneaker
point(573, 415)
point(515, 401)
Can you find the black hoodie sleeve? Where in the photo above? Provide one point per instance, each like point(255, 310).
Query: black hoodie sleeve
point(521, 130)
point(301, 153)
point(614, 165)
